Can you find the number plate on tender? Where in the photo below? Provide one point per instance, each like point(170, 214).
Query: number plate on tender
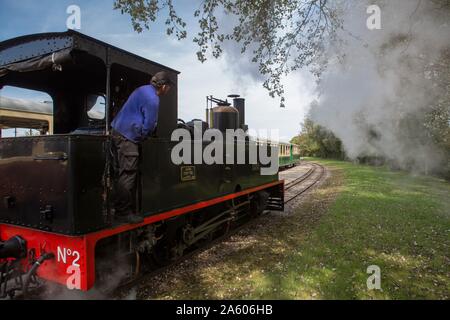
point(188, 173)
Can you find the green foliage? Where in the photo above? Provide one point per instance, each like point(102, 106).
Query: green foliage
point(317, 141)
point(281, 35)
point(437, 118)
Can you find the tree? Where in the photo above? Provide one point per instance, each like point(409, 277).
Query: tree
point(437, 119)
point(282, 35)
point(316, 141)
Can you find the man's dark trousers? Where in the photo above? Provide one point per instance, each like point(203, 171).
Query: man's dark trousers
point(126, 166)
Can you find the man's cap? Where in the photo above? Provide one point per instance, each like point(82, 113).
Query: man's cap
point(162, 78)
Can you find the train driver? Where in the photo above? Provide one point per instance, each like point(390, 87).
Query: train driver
point(135, 122)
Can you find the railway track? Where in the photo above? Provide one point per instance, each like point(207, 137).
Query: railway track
point(298, 180)
point(293, 189)
point(303, 183)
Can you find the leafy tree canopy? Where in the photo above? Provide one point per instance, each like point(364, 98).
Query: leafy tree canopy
point(280, 35)
point(316, 141)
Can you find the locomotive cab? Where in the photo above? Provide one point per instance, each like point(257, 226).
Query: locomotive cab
point(58, 182)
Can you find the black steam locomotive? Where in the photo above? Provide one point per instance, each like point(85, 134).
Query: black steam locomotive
point(56, 217)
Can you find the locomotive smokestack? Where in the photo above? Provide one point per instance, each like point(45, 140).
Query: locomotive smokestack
point(239, 104)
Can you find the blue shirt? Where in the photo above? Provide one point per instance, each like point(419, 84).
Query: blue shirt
point(138, 117)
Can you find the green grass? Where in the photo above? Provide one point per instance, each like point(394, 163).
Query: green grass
point(391, 219)
point(362, 216)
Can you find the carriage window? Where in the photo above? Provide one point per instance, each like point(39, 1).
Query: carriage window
point(25, 112)
point(95, 106)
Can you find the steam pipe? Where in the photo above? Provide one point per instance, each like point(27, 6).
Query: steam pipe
point(108, 92)
point(207, 113)
point(107, 133)
point(34, 268)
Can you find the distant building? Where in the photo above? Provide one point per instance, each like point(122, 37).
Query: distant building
point(28, 114)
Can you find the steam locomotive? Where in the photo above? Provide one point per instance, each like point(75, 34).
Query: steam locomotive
point(57, 220)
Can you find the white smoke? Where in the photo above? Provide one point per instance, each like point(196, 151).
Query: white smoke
point(376, 87)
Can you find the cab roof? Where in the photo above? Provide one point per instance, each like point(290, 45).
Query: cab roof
point(33, 46)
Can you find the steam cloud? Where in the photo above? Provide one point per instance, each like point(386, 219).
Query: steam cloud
point(380, 83)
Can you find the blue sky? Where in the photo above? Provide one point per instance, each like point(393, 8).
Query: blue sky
point(229, 74)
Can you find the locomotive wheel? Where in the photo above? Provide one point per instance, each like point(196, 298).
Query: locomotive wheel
point(259, 203)
point(163, 255)
point(222, 230)
point(168, 251)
